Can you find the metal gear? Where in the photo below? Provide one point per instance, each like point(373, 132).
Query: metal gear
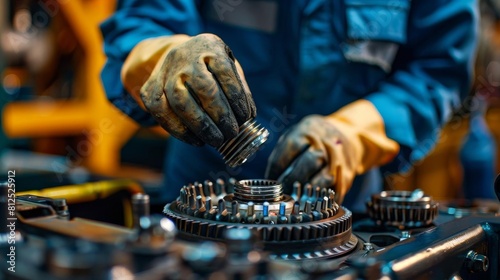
point(404, 209)
point(313, 226)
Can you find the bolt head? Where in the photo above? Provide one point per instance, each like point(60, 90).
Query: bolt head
point(368, 246)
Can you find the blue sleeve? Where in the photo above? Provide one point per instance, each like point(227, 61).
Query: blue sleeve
point(134, 21)
point(432, 72)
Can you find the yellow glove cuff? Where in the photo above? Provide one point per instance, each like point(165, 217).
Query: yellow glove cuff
point(142, 60)
point(362, 124)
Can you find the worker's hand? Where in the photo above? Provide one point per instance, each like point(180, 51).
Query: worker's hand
point(315, 151)
point(197, 91)
point(329, 151)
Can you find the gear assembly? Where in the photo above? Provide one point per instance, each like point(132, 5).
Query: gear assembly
point(250, 229)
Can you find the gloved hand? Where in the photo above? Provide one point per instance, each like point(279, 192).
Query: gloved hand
point(329, 151)
point(196, 90)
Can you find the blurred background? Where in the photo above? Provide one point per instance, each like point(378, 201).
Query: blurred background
point(58, 129)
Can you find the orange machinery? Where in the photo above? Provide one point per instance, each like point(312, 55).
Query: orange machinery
point(88, 112)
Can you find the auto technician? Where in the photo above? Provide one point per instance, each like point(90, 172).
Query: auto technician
point(350, 90)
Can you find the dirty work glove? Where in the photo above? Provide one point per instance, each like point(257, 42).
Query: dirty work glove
point(329, 151)
point(192, 86)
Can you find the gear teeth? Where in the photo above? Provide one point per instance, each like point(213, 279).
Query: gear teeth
point(286, 234)
point(201, 212)
point(305, 232)
point(296, 232)
point(402, 209)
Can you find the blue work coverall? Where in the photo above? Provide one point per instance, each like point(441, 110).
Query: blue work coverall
point(411, 59)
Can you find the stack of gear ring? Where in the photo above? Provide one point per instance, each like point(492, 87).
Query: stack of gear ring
point(307, 224)
point(237, 150)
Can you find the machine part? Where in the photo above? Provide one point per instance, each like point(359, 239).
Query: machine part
point(59, 257)
point(288, 229)
point(465, 248)
point(140, 207)
point(240, 241)
point(464, 207)
point(67, 257)
point(153, 237)
point(251, 136)
point(61, 208)
point(403, 209)
point(84, 249)
point(36, 215)
point(476, 262)
point(368, 247)
point(440, 254)
point(258, 190)
point(86, 192)
point(205, 258)
point(405, 234)
point(58, 204)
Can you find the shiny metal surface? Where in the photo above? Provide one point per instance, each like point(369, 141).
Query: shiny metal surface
point(208, 238)
point(313, 227)
point(236, 151)
point(402, 208)
point(258, 190)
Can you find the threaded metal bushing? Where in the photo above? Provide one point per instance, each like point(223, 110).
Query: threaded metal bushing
point(258, 190)
point(236, 151)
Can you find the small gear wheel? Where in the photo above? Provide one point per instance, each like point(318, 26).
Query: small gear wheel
point(403, 209)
